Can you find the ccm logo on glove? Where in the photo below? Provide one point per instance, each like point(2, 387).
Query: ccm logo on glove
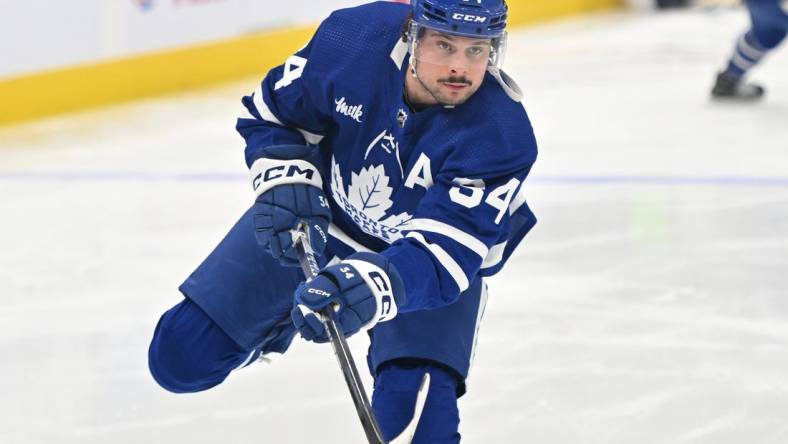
point(268, 173)
point(386, 298)
point(288, 192)
point(319, 292)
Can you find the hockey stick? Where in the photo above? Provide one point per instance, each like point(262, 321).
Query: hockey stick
point(306, 258)
point(309, 265)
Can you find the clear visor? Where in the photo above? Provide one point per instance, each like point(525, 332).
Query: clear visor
point(434, 47)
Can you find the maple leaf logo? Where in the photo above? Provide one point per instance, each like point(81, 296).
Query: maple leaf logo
point(401, 221)
point(369, 191)
point(367, 200)
point(337, 184)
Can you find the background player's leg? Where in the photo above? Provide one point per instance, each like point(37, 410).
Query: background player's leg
point(769, 22)
point(769, 25)
point(394, 398)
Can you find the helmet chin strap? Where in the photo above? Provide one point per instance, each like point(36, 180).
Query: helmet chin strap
point(412, 63)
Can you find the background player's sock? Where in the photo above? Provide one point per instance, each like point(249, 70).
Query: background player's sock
point(747, 54)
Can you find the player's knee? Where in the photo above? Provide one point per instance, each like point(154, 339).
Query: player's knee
point(394, 397)
point(189, 353)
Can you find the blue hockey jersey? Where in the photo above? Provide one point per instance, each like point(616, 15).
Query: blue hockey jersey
point(439, 192)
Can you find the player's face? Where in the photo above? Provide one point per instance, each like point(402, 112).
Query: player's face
point(450, 67)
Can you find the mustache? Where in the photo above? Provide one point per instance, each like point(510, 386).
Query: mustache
point(456, 80)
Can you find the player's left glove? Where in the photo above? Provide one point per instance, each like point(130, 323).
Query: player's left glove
point(289, 191)
point(364, 289)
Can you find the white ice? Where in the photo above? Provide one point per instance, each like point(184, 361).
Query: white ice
point(649, 305)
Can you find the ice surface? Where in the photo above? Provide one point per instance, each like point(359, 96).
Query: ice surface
point(649, 305)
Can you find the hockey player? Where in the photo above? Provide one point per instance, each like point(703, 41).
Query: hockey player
point(769, 26)
point(395, 135)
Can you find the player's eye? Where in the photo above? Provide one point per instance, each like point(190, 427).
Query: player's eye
point(476, 51)
point(444, 46)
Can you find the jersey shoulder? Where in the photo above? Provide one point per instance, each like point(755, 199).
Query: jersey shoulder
point(379, 14)
point(353, 40)
point(493, 134)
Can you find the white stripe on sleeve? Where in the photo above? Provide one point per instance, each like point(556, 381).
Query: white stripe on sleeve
point(262, 108)
point(458, 235)
point(518, 201)
point(495, 256)
point(445, 260)
point(479, 315)
point(269, 116)
point(311, 138)
point(247, 114)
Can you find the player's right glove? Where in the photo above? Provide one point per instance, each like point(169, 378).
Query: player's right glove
point(363, 289)
point(289, 190)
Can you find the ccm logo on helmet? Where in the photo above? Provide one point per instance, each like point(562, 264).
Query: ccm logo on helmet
point(468, 18)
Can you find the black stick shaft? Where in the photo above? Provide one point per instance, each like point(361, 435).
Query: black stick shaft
point(309, 265)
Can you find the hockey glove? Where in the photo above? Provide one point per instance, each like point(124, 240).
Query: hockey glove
point(289, 190)
point(363, 289)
